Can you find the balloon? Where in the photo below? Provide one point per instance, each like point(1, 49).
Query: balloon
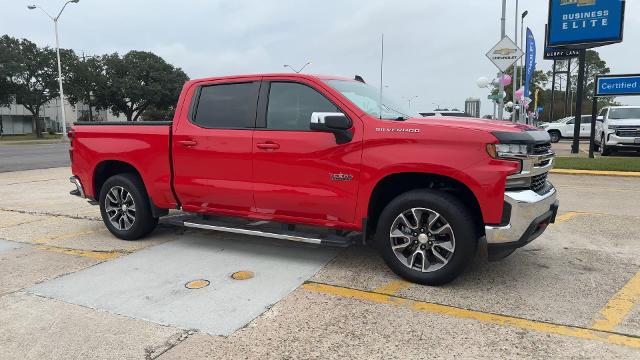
point(509, 104)
point(519, 93)
point(506, 80)
point(504, 94)
point(483, 82)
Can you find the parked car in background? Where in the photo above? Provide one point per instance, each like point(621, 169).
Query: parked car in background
point(618, 127)
point(563, 128)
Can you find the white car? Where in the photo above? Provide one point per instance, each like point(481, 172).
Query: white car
point(618, 127)
point(563, 128)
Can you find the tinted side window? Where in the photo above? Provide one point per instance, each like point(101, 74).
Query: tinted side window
point(227, 106)
point(603, 112)
point(291, 105)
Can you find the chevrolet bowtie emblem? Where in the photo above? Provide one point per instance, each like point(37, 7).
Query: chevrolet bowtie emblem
point(505, 51)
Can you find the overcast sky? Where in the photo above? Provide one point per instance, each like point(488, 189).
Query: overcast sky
point(433, 49)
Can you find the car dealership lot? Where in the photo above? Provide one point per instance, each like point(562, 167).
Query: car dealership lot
point(68, 289)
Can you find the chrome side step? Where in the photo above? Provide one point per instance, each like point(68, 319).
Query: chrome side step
point(310, 235)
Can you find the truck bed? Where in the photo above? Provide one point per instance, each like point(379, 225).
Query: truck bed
point(143, 145)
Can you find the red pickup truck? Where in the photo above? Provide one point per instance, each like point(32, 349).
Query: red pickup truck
point(323, 160)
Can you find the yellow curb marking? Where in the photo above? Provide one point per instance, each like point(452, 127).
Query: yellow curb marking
point(197, 284)
point(242, 275)
point(65, 236)
point(595, 172)
point(393, 287)
point(21, 223)
point(489, 318)
point(619, 306)
point(98, 255)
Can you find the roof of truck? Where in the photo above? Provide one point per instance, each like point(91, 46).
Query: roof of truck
point(302, 76)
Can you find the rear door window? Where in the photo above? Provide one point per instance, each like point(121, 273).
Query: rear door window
point(227, 106)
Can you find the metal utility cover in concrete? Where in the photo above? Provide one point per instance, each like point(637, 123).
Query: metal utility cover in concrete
point(149, 284)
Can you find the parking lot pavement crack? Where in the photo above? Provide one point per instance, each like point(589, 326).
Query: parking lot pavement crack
point(46, 213)
point(154, 352)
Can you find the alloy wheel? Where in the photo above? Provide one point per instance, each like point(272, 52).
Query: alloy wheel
point(120, 208)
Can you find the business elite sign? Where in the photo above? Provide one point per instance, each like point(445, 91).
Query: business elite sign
point(585, 23)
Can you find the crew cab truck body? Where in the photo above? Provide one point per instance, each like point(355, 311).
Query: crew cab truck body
point(321, 160)
point(618, 128)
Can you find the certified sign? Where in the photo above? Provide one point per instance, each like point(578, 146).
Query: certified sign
point(504, 54)
point(618, 85)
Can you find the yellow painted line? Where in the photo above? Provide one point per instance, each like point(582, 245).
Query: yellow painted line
point(98, 255)
point(393, 287)
point(495, 319)
point(65, 236)
point(595, 172)
point(21, 223)
point(619, 306)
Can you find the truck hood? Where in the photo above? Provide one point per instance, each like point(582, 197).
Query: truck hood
point(473, 124)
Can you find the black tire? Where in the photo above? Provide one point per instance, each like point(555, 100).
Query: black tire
point(604, 150)
point(555, 136)
point(143, 222)
point(455, 213)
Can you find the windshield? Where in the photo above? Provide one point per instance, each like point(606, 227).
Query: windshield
point(367, 98)
point(624, 113)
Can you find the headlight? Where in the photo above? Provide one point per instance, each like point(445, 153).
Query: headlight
point(613, 127)
point(507, 151)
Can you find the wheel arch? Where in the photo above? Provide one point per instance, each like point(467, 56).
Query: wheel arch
point(392, 185)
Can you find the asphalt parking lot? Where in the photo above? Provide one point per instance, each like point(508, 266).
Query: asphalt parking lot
point(70, 290)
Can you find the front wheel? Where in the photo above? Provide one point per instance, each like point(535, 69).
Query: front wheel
point(125, 209)
point(426, 236)
point(555, 136)
point(604, 149)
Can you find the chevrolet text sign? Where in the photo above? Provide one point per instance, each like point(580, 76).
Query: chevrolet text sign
point(585, 23)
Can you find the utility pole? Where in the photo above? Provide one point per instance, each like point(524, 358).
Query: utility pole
point(515, 67)
point(575, 148)
point(503, 31)
point(553, 91)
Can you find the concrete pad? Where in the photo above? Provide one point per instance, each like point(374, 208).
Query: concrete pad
point(32, 327)
point(602, 194)
point(150, 284)
point(23, 266)
point(43, 191)
point(631, 324)
point(565, 286)
point(81, 234)
point(308, 325)
point(11, 218)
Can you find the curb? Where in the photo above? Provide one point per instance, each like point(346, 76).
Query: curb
point(595, 172)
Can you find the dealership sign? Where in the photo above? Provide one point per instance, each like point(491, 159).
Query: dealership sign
point(618, 85)
point(585, 23)
point(504, 54)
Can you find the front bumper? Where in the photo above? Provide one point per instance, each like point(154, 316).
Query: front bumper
point(530, 214)
point(621, 141)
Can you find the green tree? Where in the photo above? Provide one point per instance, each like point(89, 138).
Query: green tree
point(137, 81)
point(32, 73)
point(83, 77)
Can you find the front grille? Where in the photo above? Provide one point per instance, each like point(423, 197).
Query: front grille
point(628, 132)
point(539, 182)
point(541, 149)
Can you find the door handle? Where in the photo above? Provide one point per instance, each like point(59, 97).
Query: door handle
point(188, 143)
point(268, 146)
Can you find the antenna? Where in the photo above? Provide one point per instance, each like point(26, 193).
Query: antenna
point(381, 73)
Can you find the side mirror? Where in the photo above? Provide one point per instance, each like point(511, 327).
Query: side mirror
point(600, 118)
point(336, 123)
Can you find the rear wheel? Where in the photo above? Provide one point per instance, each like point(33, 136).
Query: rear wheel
point(426, 236)
point(554, 135)
point(125, 209)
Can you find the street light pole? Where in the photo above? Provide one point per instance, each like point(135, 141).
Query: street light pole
point(515, 67)
point(524, 15)
point(297, 71)
point(55, 24)
point(500, 74)
point(410, 99)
